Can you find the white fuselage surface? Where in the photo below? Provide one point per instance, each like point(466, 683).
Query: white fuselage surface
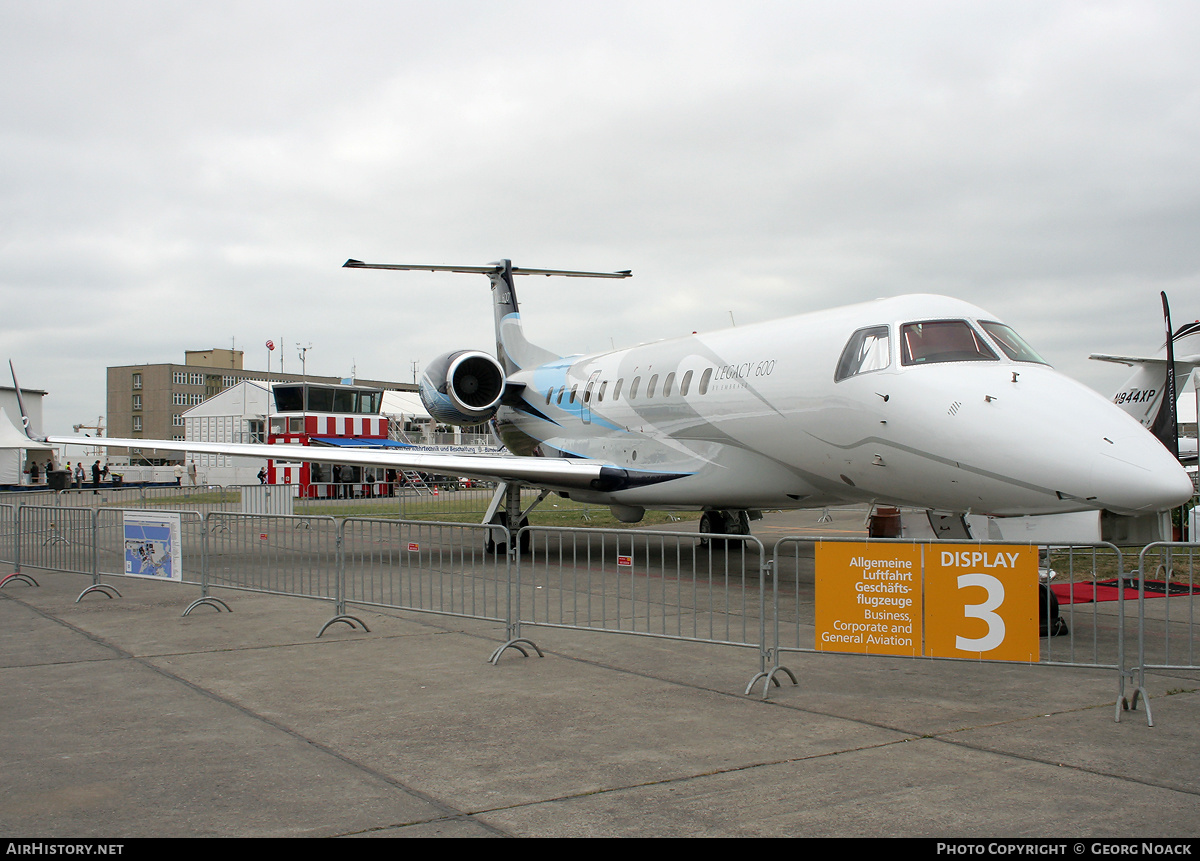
point(756, 417)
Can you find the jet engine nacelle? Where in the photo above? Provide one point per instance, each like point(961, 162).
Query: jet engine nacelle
point(462, 388)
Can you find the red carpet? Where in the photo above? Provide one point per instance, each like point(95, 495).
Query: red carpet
point(1106, 590)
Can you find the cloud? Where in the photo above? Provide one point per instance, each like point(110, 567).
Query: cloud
point(179, 176)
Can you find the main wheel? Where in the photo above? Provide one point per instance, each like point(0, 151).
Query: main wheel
point(712, 522)
point(494, 544)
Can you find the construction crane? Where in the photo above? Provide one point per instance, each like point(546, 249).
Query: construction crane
point(98, 427)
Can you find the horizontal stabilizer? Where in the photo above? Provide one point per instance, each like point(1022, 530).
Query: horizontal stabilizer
point(1193, 361)
point(485, 270)
point(1127, 360)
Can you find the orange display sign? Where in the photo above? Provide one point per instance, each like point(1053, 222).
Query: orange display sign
point(868, 598)
point(982, 602)
point(966, 601)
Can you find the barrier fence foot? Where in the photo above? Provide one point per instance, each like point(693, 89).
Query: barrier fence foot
point(769, 679)
point(1131, 705)
point(20, 578)
point(352, 621)
point(103, 588)
point(215, 603)
point(515, 644)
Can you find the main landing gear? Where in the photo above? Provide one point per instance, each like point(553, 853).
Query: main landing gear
point(511, 517)
point(725, 523)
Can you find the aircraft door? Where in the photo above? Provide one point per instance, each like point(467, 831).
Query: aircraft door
point(589, 391)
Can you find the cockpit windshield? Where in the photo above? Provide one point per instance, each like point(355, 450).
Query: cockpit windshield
point(1011, 343)
point(867, 350)
point(935, 341)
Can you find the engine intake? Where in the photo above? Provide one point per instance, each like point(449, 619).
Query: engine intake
point(462, 388)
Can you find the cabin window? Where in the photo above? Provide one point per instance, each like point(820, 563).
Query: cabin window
point(574, 391)
point(560, 394)
point(617, 388)
point(935, 341)
point(600, 394)
point(651, 386)
point(684, 383)
point(667, 384)
point(867, 350)
point(705, 377)
point(1011, 343)
point(587, 392)
point(549, 395)
point(633, 387)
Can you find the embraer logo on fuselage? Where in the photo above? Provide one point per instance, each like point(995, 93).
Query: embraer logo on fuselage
point(1135, 396)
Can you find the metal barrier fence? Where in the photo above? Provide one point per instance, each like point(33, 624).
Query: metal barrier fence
point(656, 584)
point(442, 500)
point(1167, 575)
point(712, 589)
point(1168, 607)
point(281, 554)
point(428, 566)
point(41, 496)
point(57, 538)
point(8, 533)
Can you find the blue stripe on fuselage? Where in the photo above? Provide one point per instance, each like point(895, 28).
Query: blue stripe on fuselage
point(553, 375)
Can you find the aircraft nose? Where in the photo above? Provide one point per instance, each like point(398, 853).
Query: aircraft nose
point(1135, 474)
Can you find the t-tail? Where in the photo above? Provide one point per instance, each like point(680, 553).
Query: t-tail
point(1150, 393)
point(512, 348)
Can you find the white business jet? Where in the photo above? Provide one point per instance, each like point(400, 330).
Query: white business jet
point(919, 401)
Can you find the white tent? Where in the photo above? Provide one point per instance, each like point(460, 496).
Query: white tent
point(13, 445)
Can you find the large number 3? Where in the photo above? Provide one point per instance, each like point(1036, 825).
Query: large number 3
point(995, 597)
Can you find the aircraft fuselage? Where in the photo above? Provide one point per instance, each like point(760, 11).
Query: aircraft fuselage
point(755, 417)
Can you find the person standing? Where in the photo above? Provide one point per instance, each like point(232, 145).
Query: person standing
point(80, 475)
point(96, 477)
point(191, 470)
point(179, 475)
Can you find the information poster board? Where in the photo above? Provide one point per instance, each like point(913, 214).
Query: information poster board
point(152, 545)
point(936, 600)
point(868, 598)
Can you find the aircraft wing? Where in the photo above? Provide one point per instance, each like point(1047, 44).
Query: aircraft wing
point(553, 473)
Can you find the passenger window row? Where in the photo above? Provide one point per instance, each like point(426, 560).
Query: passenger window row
point(668, 387)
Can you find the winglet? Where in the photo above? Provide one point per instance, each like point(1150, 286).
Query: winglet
point(20, 402)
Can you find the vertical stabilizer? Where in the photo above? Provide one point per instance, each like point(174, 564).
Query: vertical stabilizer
point(513, 351)
point(1144, 394)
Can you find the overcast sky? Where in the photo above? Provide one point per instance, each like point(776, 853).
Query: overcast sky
point(192, 175)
